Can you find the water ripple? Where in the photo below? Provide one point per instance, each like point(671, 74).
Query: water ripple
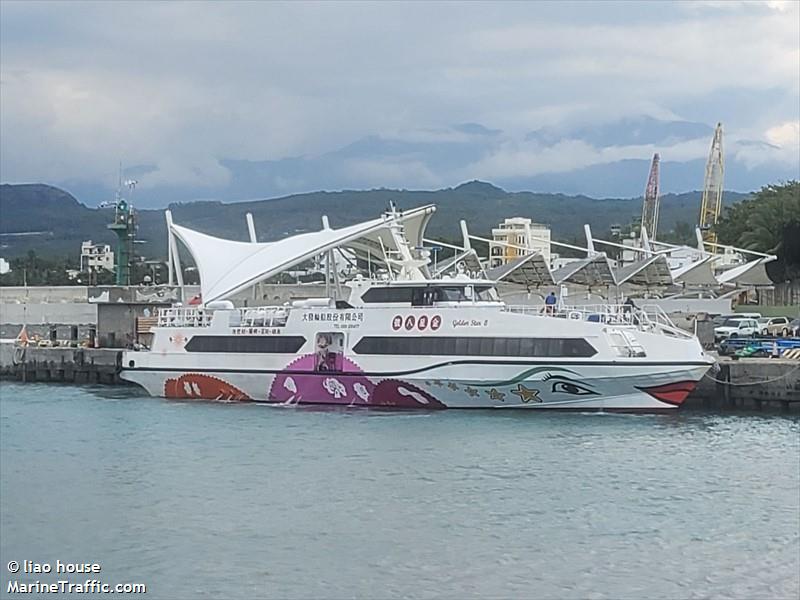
point(205, 500)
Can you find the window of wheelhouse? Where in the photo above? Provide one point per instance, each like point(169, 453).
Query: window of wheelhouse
point(329, 352)
point(387, 294)
point(423, 296)
point(450, 294)
point(486, 293)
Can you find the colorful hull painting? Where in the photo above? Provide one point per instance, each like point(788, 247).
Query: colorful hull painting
point(563, 387)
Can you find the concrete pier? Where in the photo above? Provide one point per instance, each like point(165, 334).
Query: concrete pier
point(750, 383)
point(61, 365)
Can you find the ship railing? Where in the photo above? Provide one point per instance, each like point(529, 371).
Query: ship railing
point(184, 317)
point(647, 317)
point(264, 316)
point(268, 316)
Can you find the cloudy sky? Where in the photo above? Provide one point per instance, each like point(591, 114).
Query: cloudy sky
point(186, 88)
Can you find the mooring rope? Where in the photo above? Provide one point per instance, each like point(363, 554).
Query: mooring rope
point(784, 376)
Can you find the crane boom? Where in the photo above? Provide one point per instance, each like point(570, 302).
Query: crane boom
point(712, 188)
point(651, 200)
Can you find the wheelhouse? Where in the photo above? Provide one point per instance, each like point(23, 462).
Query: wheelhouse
point(425, 293)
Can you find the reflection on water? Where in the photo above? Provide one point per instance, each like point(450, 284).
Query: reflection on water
point(214, 500)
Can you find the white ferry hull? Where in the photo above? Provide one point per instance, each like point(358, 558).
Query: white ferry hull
point(528, 386)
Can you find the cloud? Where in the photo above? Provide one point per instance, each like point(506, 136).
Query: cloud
point(182, 86)
point(781, 146)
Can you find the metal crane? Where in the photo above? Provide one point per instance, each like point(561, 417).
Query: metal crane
point(712, 188)
point(650, 207)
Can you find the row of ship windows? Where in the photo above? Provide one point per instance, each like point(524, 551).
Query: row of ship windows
point(473, 346)
point(405, 345)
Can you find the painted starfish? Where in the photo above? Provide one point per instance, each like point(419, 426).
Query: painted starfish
point(471, 391)
point(452, 386)
point(526, 395)
point(495, 395)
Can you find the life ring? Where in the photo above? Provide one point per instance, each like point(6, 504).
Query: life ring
point(575, 315)
point(19, 355)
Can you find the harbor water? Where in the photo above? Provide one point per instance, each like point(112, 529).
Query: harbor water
point(213, 500)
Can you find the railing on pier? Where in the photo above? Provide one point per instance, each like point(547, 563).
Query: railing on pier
point(648, 317)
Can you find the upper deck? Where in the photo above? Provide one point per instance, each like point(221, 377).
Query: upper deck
point(647, 318)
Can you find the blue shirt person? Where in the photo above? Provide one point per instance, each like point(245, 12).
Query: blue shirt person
point(550, 303)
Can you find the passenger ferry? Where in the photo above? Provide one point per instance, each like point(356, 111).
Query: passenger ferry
point(409, 342)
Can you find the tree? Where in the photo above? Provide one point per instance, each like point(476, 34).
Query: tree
point(767, 222)
point(681, 234)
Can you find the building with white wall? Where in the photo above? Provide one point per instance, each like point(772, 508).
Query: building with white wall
point(518, 231)
point(96, 256)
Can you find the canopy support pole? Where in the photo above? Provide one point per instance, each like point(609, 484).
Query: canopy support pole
point(176, 259)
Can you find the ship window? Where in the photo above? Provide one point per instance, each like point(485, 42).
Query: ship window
point(256, 344)
point(422, 296)
point(555, 347)
point(527, 347)
point(485, 293)
point(450, 294)
point(476, 346)
point(387, 294)
point(571, 348)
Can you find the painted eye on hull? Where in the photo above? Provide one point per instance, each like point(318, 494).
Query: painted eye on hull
point(566, 387)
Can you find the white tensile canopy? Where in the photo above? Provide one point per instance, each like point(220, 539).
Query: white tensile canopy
point(529, 271)
point(371, 246)
point(469, 260)
point(594, 271)
point(752, 273)
point(227, 267)
point(697, 273)
point(652, 271)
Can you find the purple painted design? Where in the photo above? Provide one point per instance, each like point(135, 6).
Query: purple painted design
point(391, 392)
point(349, 387)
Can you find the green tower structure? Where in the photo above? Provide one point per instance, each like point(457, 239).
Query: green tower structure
point(124, 226)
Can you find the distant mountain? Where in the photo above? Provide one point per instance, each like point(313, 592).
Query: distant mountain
point(602, 159)
point(66, 222)
point(626, 132)
point(630, 176)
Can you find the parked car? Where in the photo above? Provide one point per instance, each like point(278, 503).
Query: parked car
point(773, 325)
point(792, 329)
point(736, 328)
point(720, 319)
